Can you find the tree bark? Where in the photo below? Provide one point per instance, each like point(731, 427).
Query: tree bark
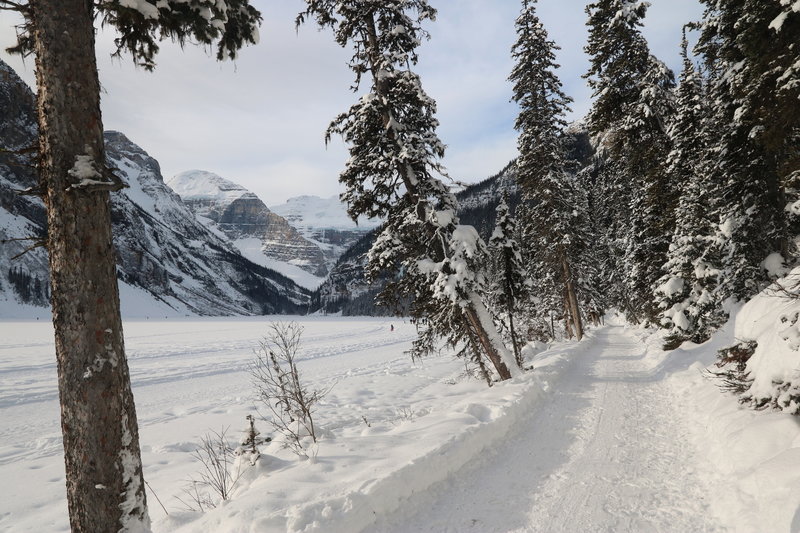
point(514, 342)
point(488, 348)
point(105, 487)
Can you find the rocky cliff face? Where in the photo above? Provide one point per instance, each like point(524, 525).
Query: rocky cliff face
point(324, 221)
point(241, 216)
point(167, 260)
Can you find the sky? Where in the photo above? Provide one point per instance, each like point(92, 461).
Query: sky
point(260, 121)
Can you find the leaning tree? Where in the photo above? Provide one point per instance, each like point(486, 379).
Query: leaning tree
point(105, 487)
point(392, 173)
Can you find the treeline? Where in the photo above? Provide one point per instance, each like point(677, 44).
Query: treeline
point(691, 201)
point(28, 287)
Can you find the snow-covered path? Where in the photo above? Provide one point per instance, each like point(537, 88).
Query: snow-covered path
point(609, 452)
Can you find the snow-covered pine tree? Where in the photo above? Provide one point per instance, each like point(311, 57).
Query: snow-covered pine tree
point(687, 293)
point(608, 219)
point(394, 159)
point(509, 286)
point(751, 54)
point(633, 103)
point(589, 284)
point(105, 487)
point(541, 173)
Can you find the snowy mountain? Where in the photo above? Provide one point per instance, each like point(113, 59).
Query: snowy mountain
point(325, 222)
point(239, 216)
point(168, 263)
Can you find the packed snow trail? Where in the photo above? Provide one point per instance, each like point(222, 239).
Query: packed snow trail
point(608, 453)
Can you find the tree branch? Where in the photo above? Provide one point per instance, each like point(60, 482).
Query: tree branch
point(39, 242)
point(7, 5)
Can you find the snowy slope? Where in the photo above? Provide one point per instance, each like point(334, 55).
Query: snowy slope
point(201, 185)
point(312, 214)
point(325, 222)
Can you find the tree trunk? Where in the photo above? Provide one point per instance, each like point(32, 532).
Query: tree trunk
point(488, 347)
point(105, 489)
point(572, 299)
point(567, 319)
point(478, 357)
point(514, 342)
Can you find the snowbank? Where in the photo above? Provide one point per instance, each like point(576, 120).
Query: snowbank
point(362, 473)
point(752, 455)
point(771, 320)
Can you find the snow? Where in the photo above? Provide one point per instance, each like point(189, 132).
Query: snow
point(252, 249)
point(777, 23)
point(775, 265)
point(599, 456)
point(610, 434)
point(148, 10)
point(84, 168)
point(760, 450)
point(204, 185)
point(672, 286)
point(310, 213)
point(771, 319)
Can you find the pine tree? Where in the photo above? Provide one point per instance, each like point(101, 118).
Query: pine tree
point(546, 186)
point(751, 53)
point(687, 293)
point(394, 159)
point(509, 286)
point(105, 488)
point(628, 120)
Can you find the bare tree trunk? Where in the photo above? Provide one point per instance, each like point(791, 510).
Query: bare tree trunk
point(572, 299)
point(105, 488)
point(478, 357)
point(567, 320)
point(486, 343)
point(514, 342)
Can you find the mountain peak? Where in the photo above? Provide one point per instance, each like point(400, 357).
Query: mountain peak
point(205, 185)
point(310, 211)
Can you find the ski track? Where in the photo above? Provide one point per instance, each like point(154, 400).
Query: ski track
point(608, 453)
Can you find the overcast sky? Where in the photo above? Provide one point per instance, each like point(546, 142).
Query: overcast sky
point(260, 122)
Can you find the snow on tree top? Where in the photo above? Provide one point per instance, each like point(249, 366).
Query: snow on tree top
point(577, 126)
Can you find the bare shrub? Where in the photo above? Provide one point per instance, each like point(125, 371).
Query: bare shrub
point(277, 381)
point(251, 440)
point(733, 362)
point(218, 477)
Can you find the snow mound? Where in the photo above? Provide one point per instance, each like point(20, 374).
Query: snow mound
point(758, 449)
point(772, 320)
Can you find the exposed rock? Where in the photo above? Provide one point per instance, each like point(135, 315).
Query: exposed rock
point(325, 222)
point(239, 214)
